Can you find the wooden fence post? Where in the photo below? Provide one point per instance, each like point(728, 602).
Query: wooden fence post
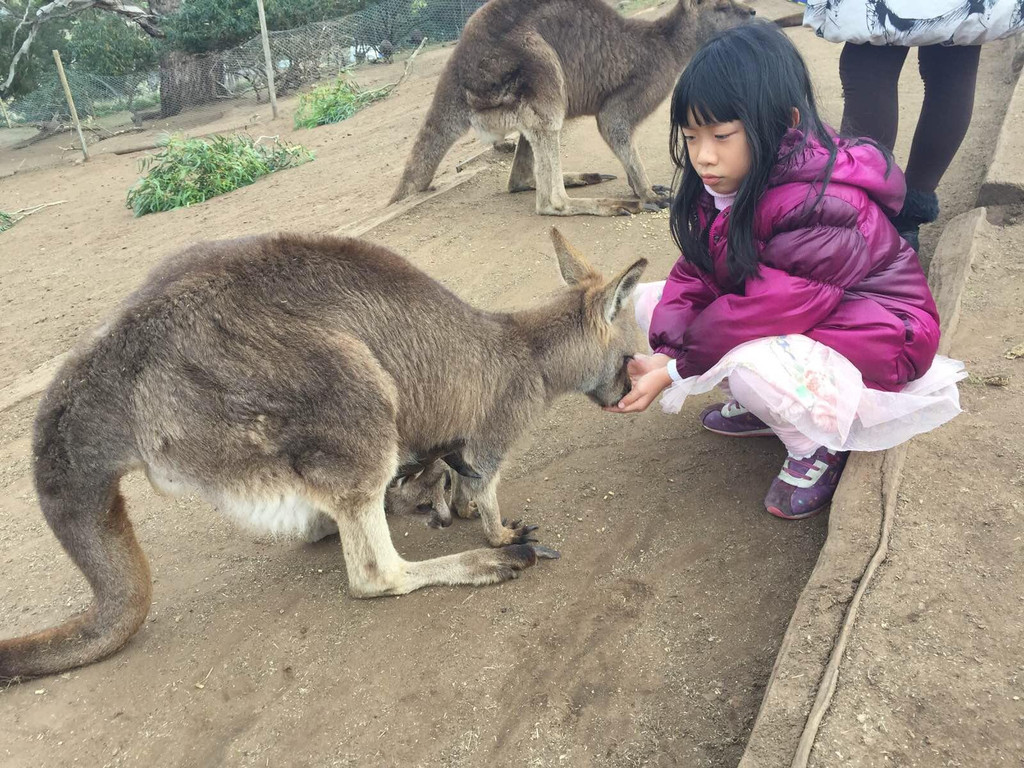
point(7, 115)
point(71, 103)
point(267, 57)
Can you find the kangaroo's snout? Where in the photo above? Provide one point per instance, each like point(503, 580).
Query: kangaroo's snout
point(439, 518)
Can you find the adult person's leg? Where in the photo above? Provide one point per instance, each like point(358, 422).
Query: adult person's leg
point(870, 75)
point(950, 74)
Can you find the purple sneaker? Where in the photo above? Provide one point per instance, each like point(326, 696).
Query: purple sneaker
point(804, 487)
point(733, 420)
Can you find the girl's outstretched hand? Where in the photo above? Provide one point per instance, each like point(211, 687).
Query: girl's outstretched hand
point(641, 364)
point(649, 376)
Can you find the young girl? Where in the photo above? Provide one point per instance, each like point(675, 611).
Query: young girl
point(793, 283)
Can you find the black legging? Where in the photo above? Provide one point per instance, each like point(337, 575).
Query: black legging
point(870, 76)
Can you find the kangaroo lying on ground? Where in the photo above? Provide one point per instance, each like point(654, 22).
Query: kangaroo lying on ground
point(285, 378)
point(527, 65)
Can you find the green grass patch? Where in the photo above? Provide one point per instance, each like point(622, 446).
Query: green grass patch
point(334, 102)
point(188, 171)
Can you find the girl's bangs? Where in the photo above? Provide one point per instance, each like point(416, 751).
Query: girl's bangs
point(703, 98)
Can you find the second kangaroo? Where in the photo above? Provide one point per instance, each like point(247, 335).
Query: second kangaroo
point(528, 65)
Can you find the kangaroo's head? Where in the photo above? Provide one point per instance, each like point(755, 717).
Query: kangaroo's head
point(427, 493)
point(589, 345)
point(714, 16)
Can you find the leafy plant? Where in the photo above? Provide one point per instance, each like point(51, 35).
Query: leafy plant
point(7, 221)
point(188, 171)
point(334, 102)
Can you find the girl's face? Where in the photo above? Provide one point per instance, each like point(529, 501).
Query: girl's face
point(719, 153)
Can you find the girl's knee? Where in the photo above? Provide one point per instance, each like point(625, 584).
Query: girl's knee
point(645, 298)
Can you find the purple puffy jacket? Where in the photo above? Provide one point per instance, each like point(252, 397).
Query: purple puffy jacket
point(837, 272)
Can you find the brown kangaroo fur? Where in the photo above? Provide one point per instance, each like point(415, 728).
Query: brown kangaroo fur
point(285, 378)
point(528, 65)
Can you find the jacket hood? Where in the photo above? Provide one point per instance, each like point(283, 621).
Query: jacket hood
point(857, 165)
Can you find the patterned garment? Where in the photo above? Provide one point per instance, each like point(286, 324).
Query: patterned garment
point(915, 22)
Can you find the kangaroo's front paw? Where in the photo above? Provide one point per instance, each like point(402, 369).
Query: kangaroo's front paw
point(467, 510)
point(657, 199)
point(513, 533)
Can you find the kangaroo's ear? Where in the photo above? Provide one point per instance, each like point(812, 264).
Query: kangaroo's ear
point(615, 294)
point(435, 472)
point(571, 263)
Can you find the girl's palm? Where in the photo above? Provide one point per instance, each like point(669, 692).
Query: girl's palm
point(649, 378)
point(644, 364)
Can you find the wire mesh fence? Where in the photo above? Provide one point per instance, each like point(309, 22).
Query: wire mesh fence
point(139, 90)
point(95, 95)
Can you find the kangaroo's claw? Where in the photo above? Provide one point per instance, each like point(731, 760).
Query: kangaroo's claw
point(545, 553)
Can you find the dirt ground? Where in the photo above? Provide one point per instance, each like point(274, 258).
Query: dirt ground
point(934, 674)
point(649, 643)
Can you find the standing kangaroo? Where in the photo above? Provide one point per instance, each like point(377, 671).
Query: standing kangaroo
point(288, 378)
point(527, 65)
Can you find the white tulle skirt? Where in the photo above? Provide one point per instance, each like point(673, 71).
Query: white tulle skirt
point(810, 387)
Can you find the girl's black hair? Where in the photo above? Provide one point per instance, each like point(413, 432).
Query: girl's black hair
point(752, 73)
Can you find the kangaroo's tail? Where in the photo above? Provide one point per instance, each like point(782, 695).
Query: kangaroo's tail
point(78, 465)
point(447, 120)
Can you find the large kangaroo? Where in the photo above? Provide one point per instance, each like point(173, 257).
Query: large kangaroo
point(286, 379)
point(527, 65)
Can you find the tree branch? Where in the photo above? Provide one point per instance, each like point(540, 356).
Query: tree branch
point(57, 9)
